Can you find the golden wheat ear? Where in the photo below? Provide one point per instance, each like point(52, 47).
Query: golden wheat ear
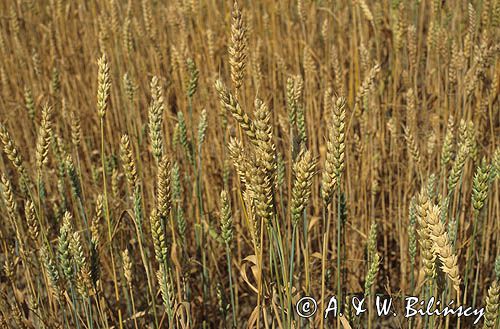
point(238, 47)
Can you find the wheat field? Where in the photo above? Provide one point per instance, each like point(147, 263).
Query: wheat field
point(210, 163)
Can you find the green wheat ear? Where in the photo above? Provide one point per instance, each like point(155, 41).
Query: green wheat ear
point(372, 240)
point(480, 186)
point(495, 162)
point(159, 238)
point(226, 218)
point(183, 137)
point(156, 108)
point(202, 128)
point(164, 198)
point(492, 305)
point(304, 170)
point(52, 271)
point(193, 77)
point(74, 178)
point(63, 248)
point(29, 102)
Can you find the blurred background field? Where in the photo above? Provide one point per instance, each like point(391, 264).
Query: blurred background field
point(206, 163)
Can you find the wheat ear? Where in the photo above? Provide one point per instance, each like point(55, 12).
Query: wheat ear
point(492, 306)
point(230, 103)
point(237, 48)
point(442, 247)
point(304, 170)
point(156, 108)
